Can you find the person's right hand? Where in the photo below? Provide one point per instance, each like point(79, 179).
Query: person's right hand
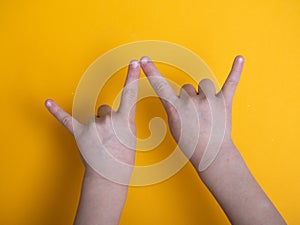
point(202, 116)
point(107, 141)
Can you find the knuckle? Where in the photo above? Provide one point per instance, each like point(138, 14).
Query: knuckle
point(204, 82)
point(187, 86)
point(104, 109)
point(129, 93)
point(66, 121)
point(232, 82)
point(204, 101)
point(203, 98)
point(159, 86)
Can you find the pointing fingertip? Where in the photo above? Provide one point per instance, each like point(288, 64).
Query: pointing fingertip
point(144, 60)
point(238, 63)
point(240, 59)
point(134, 64)
point(48, 103)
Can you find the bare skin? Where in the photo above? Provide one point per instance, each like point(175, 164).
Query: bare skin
point(226, 176)
point(102, 200)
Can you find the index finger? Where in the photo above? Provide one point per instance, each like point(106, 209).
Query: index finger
point(158, 82)
point(130, 90)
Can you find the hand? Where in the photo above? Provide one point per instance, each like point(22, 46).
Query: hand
point(203, 115)
point(115, 131)
point(108, 137)
point(200, 116)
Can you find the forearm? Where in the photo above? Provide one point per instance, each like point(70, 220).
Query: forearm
point(237, 192)
point(101, 201)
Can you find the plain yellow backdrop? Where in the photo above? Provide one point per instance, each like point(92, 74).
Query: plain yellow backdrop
point(45, 47)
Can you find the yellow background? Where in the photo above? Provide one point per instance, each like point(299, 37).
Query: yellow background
point(45, 46)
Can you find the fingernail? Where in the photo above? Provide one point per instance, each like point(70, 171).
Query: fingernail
point(144, 60)
point(240, 59)
point(134, 63)
point(48, 103)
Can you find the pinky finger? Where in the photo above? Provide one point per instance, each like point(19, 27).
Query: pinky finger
point(63, 117)
point(232, 80)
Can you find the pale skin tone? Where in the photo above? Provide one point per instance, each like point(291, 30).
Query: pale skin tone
point(227, 177)
point(102, 200)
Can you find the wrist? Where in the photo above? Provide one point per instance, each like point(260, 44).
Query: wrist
point(227, 158)
point(96, 181)
point(226, 170)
